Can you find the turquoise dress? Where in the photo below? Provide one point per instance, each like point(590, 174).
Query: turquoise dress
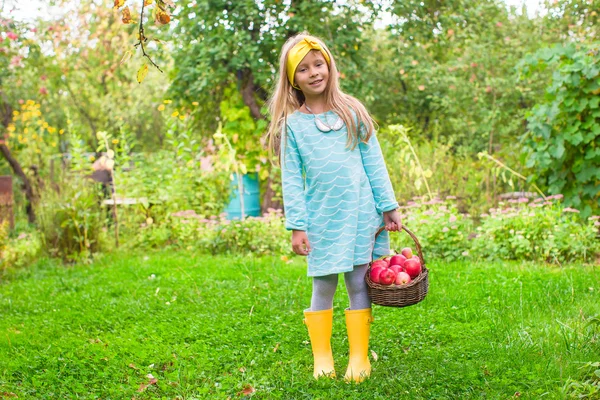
point(335, 194)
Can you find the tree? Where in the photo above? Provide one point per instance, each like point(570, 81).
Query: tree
point(224, 43)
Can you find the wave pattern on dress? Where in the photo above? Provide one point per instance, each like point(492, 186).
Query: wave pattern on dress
point(335, 194)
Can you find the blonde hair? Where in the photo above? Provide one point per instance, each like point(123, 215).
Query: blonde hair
point(286, 99)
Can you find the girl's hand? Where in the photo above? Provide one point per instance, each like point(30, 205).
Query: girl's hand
point(300, 243)
point(392, 220)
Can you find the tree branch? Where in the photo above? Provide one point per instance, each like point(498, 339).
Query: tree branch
point(143, 38)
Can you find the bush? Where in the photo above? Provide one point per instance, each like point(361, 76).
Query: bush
point(20, 250)
point(71, 221)
point(257, 235)
point(436, 167)
point(442, 231)
point(538, 230)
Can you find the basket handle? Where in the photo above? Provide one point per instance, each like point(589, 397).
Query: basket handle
point(414, 238)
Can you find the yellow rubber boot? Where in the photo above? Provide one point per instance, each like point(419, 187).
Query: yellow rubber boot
point(358, 323)
point(319, 324)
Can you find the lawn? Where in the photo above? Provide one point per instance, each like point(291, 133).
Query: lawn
point(181, 325)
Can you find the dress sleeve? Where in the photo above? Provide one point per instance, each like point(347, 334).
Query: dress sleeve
point(294, 200)
point(372, 158)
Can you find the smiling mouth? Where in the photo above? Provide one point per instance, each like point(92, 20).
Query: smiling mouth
point(317, 82)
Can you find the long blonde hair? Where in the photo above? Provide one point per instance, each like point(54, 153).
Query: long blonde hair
point(286, 99)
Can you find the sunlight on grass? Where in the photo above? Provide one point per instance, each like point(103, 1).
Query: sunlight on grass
point(193, 326)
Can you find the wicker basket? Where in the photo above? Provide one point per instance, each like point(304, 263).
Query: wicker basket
point(400, 295)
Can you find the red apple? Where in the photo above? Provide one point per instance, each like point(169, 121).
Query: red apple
point(402, 278)
point(398, 259)
point(379, 263)
point(375, 272)
point(387, 277)
point(397, 269)
point(413, 267)
point(407, 252)
point(387, 260)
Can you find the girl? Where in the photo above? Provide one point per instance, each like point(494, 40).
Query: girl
point(336, 193)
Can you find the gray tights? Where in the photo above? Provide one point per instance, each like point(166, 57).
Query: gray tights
point(324, 289)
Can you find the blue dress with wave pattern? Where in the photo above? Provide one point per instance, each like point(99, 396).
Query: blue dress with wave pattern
point(335, 194)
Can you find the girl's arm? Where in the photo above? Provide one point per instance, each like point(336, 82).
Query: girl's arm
point(294, 200)
point(372, 158)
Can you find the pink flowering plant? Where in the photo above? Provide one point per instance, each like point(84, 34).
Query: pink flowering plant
point(441, 229)
point(540, 230)
point(265, 235)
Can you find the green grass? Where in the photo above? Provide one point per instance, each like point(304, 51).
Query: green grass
point(210, 327)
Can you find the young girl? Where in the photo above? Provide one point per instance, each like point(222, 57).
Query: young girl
point(336, 193)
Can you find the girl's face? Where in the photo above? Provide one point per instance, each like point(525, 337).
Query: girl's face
point(312, 74)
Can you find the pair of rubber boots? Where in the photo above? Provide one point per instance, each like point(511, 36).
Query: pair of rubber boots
point(358, 324)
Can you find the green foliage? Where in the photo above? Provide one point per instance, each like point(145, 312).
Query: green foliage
point(540, 231)
point(71, 221)
point(434, 163)
point(187, 230)
point(564, 130)
point(17, 250)
point(589, 385)
point(242, 131)
point(536, 231)
point(442, 231)
point(255, 235)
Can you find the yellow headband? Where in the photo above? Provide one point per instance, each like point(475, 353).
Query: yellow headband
point(297, 54)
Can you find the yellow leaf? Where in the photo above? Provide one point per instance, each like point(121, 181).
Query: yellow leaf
point(126, 57)
point(119, 3)
point(161, 17)
point(147, 2)
point(126, 18)
point(142, 72)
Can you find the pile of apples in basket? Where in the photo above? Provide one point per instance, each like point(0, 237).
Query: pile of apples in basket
point(399, 269)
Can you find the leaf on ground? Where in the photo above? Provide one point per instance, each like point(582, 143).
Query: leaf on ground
point(248, 389)
point(242, 370)
point(142, 72)
point(276, 348)
point(151, 381)
point(132, 365)
point(374, 355)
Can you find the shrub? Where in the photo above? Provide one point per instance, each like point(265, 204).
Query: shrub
point(257, 235)
point(441, 230)
point(538, 230)
point(20, 250)
point(71, 221)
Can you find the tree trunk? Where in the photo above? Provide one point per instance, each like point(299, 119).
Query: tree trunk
point(18, 171)
point(247, 89)
point(6, 117)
